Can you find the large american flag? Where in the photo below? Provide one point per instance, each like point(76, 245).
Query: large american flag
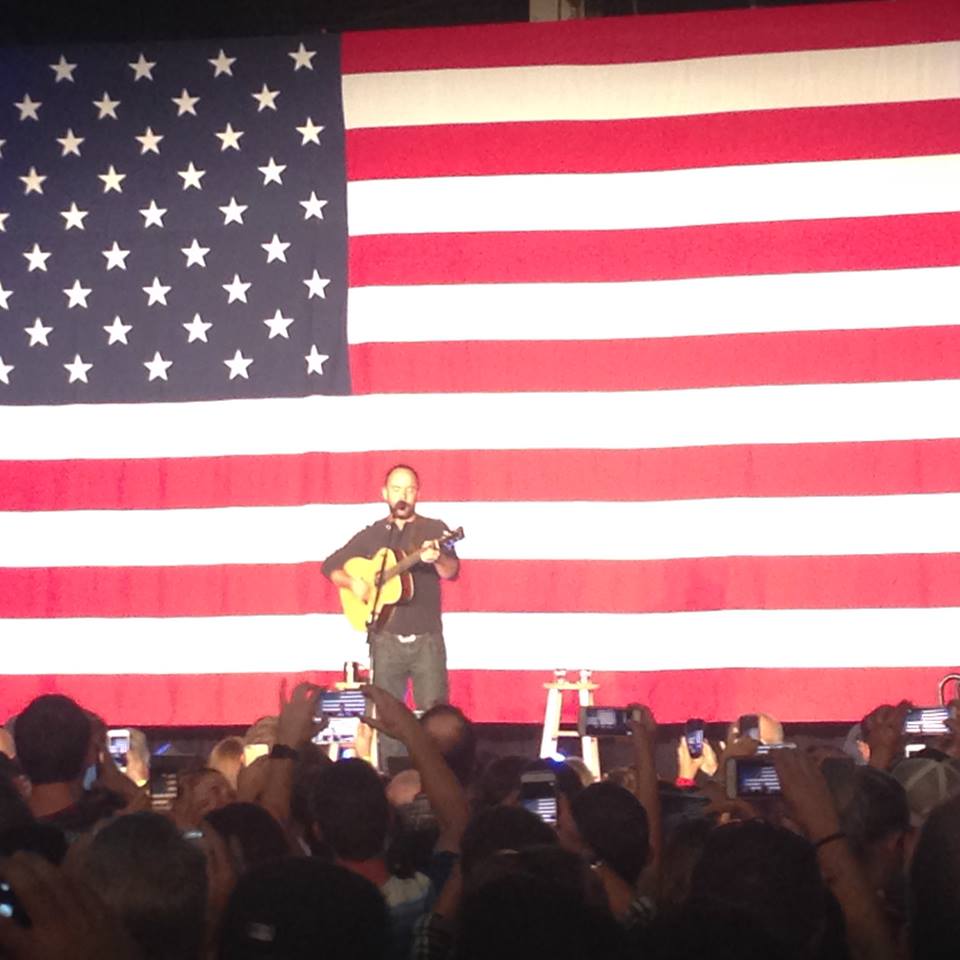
point(664, 309)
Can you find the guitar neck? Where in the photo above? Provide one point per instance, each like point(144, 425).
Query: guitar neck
point(402, 566)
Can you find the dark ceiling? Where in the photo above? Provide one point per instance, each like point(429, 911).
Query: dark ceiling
point(36, 21)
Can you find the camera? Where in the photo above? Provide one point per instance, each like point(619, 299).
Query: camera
point(118, 745)
point(603, 721)
point(538, 794)
point(752, 777)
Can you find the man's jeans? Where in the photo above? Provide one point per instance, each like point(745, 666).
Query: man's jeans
point(422, 659)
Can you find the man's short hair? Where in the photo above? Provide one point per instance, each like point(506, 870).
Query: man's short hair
point(871, 803)
point(155, 882)
point(303, 908)
point(614, 824)
point(502, 828)
point(401, 466)
point(772, 875)
point(53, 739)
point(349, 807)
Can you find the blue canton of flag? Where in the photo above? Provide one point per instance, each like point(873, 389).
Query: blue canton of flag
point(172, 222)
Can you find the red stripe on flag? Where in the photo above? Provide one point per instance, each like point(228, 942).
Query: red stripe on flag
point(739, 249)
point(669, 363)
point(499, 586)
point(509, 696)
point(652, 37)
point(669, 143)
point(679, 473)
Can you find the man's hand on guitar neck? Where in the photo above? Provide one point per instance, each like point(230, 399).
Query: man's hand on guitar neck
point(445, 563)
point(430, 551)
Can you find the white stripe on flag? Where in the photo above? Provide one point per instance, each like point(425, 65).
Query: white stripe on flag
point(815, 78)
point(492, 641)
point(703, 306)
point(910, 523)
point(922, 410)
point(662, 198)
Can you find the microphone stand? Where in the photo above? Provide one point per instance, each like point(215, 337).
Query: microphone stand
point(374, 616)
point(372, 624)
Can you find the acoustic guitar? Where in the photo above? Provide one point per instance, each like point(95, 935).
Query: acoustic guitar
point(397, 581)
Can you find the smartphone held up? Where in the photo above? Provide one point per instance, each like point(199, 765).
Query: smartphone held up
point(538, 794)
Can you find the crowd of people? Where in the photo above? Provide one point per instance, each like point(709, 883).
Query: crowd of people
point(273, 850)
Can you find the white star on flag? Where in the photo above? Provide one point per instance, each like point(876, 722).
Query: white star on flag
point(156, 292)
point(278, 325)
point(70, 143)
point(28, 107)
point(2, 142)
point(5, 295)
point(315, 360)
point(271, 172)
point(5, 369)
point(37, 259)
point(106, 107)
point(236, 289)
point(313, 207)
point(265, 98)
point(316, 286)
point(78, 370)
point(229, 138)
point(32, 182)
point(112, 180)
point(149, 141)
point(191, 177)
point(142, 68)
point(197, 329)
point(3, 220)
point(276, 249)
point(38, 333)
point(63, 70)
point(233, 211)
point(77, 295)
point(302, 57)
point(117, 331)
point(310, 133)
point(116, 257)
point(238, 366)
point(221, 64)
point(195, 254)
point(185, 103)
point(73, 217)
point(157, 367)
point(153, 215)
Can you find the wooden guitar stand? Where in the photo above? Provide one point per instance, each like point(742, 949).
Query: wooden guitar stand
point(552, 729)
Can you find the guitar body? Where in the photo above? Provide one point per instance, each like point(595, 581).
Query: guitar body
point(396, 589)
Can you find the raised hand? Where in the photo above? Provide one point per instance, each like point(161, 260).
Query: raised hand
point(393, 718)
point(296, 723)
point(884, 734)
point(807, 794)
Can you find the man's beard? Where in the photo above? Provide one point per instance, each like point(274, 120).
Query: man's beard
point(402, 510)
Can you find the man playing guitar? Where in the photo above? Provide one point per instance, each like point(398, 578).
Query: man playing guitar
point(406, 640)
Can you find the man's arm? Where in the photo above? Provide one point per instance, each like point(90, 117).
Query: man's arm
point(445, 562)
point(360, 545)
point(444, 791)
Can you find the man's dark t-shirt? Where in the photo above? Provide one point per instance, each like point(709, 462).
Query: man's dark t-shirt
point(421, 614)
